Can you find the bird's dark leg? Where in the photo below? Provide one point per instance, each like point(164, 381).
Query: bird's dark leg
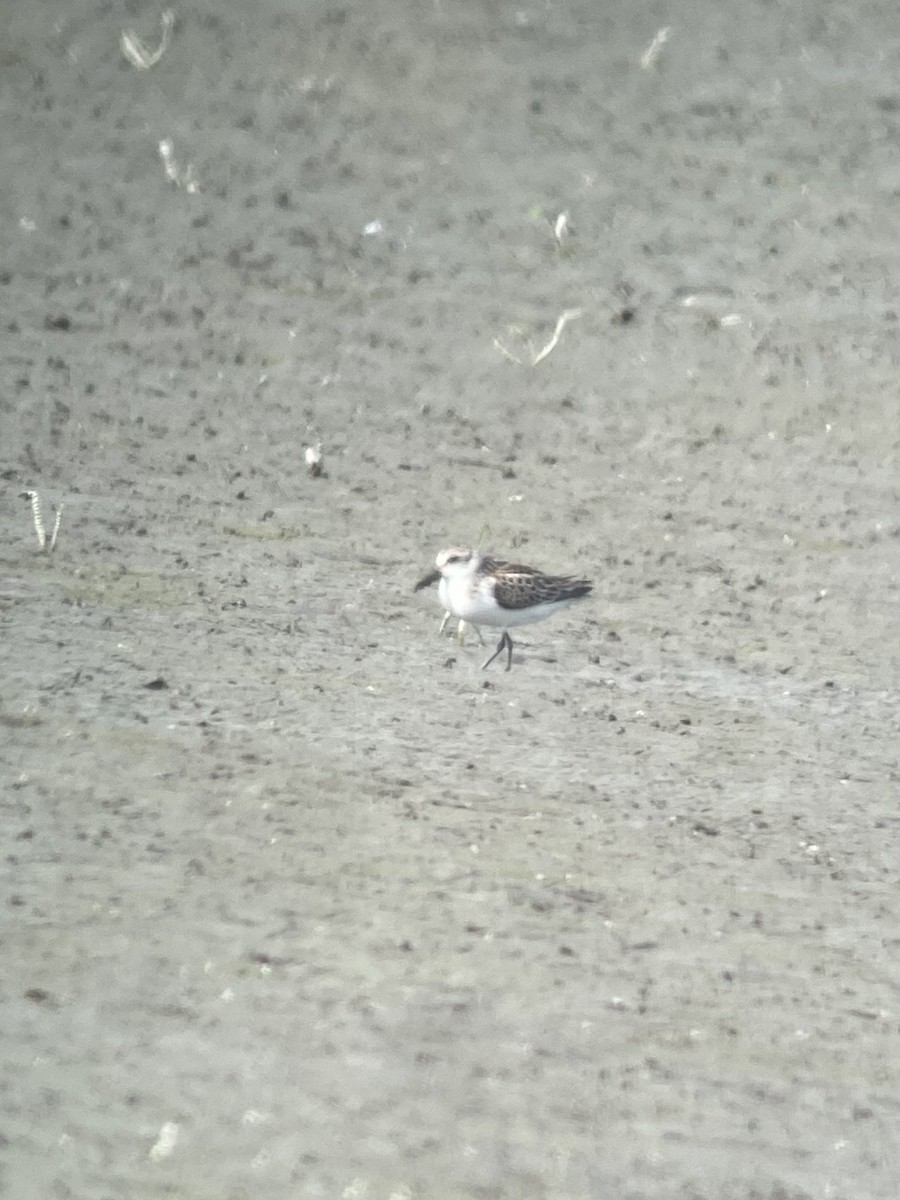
point(505, 643)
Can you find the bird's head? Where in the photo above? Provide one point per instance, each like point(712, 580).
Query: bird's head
point(450, 564)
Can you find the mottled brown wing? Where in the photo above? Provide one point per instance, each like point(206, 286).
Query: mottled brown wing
point(517, 586)
point(513, 582)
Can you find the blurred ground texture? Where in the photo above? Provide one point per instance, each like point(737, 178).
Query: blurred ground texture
point(297, 901)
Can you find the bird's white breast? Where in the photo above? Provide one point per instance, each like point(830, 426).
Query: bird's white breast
point(471, 601)
point(444, 595)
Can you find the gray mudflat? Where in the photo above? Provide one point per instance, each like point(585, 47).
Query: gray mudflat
point(297, 901)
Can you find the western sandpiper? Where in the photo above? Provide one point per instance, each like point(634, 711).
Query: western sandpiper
point(488, 591)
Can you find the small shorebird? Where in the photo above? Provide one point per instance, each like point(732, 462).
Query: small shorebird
point(488, 591)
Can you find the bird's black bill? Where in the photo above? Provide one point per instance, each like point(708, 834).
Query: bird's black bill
point(427, 580)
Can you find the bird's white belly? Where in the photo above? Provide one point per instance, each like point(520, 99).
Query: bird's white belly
point(479, 607)
point(457, 596)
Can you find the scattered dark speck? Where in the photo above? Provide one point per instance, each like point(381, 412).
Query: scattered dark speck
point(709, 830)
point(58, 324)
point(38, 995)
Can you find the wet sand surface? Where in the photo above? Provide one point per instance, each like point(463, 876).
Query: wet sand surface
point(297, 901)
